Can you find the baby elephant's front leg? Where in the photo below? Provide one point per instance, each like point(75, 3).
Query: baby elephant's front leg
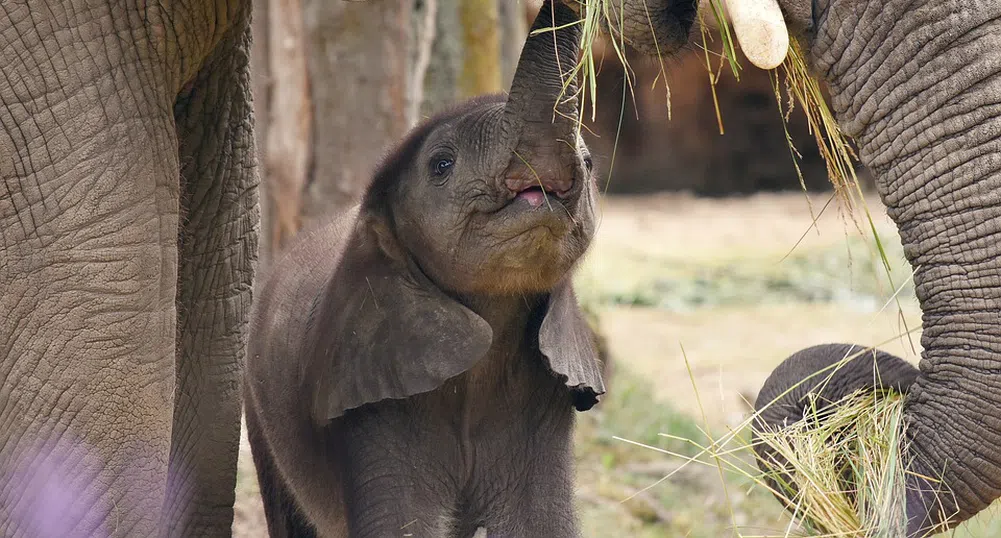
point(388, 503)
point(393, 487)
point(539, 501)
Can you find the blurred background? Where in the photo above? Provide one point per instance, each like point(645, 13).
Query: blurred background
point(712, 261)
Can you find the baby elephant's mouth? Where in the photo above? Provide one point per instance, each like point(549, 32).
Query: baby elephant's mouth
point(537, 191)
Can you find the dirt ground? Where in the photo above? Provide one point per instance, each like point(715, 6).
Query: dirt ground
point(733, 345)
point(722, 281)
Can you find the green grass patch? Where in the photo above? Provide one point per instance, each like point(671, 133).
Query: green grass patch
point(622, 489)
point(850, 274)
point(842, 477)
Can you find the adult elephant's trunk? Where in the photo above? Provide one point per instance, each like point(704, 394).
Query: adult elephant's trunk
point(918, 85)
point(654, 27)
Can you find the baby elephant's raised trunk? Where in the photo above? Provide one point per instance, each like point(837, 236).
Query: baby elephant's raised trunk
point(544, 89)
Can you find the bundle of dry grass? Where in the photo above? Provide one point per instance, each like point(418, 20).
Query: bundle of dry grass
point(839, 471)
point(842, 473)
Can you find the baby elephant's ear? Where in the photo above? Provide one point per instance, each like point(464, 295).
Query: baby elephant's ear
point(566, 340)
point(381, 331)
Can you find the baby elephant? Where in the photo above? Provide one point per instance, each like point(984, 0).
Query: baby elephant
point(414, 365)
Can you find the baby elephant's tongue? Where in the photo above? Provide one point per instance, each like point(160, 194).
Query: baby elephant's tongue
point(534, 197)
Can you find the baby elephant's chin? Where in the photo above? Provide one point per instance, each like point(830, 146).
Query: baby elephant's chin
point(535, 261)
point(525, 278)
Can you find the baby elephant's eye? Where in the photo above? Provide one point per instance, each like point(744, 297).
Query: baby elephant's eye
point(441, 165)
point(588, 163)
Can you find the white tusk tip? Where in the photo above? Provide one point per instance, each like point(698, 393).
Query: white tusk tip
point(761, 31)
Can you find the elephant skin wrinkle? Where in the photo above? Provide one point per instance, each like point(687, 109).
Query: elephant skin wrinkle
point(917, 85)
point(128, 245)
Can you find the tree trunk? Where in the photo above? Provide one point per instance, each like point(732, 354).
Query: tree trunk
point(358, 70)
point(513, 32)
point(481, 48)
point(441, 80)
point(283, 118)
point(287, 152)
point(424, 33)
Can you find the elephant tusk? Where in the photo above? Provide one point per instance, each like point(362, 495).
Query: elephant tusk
point(761, 31)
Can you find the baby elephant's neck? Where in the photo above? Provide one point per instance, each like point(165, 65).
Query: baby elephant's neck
point(509, 316)
point(508, 391)
point(511, 378)
point(513, 320)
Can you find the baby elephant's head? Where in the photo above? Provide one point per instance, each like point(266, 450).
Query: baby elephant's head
point(497, 195)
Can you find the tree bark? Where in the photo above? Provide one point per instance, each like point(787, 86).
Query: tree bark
point(513, 32)
point(441, 80)
point(358, 71)
point(424, 34)
point(287, 149)
point(481, 47)
point(283, 118)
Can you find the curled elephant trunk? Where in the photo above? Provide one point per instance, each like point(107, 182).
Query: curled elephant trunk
point(810, 383)
point(544, 90)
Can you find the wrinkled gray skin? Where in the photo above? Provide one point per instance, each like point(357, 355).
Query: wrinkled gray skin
point(415, 364)
point(119, 346)
point(128, 234)
point(917, 83)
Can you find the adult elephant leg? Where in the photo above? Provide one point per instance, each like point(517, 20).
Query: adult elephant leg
point(88, 231)
point(218, 254)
